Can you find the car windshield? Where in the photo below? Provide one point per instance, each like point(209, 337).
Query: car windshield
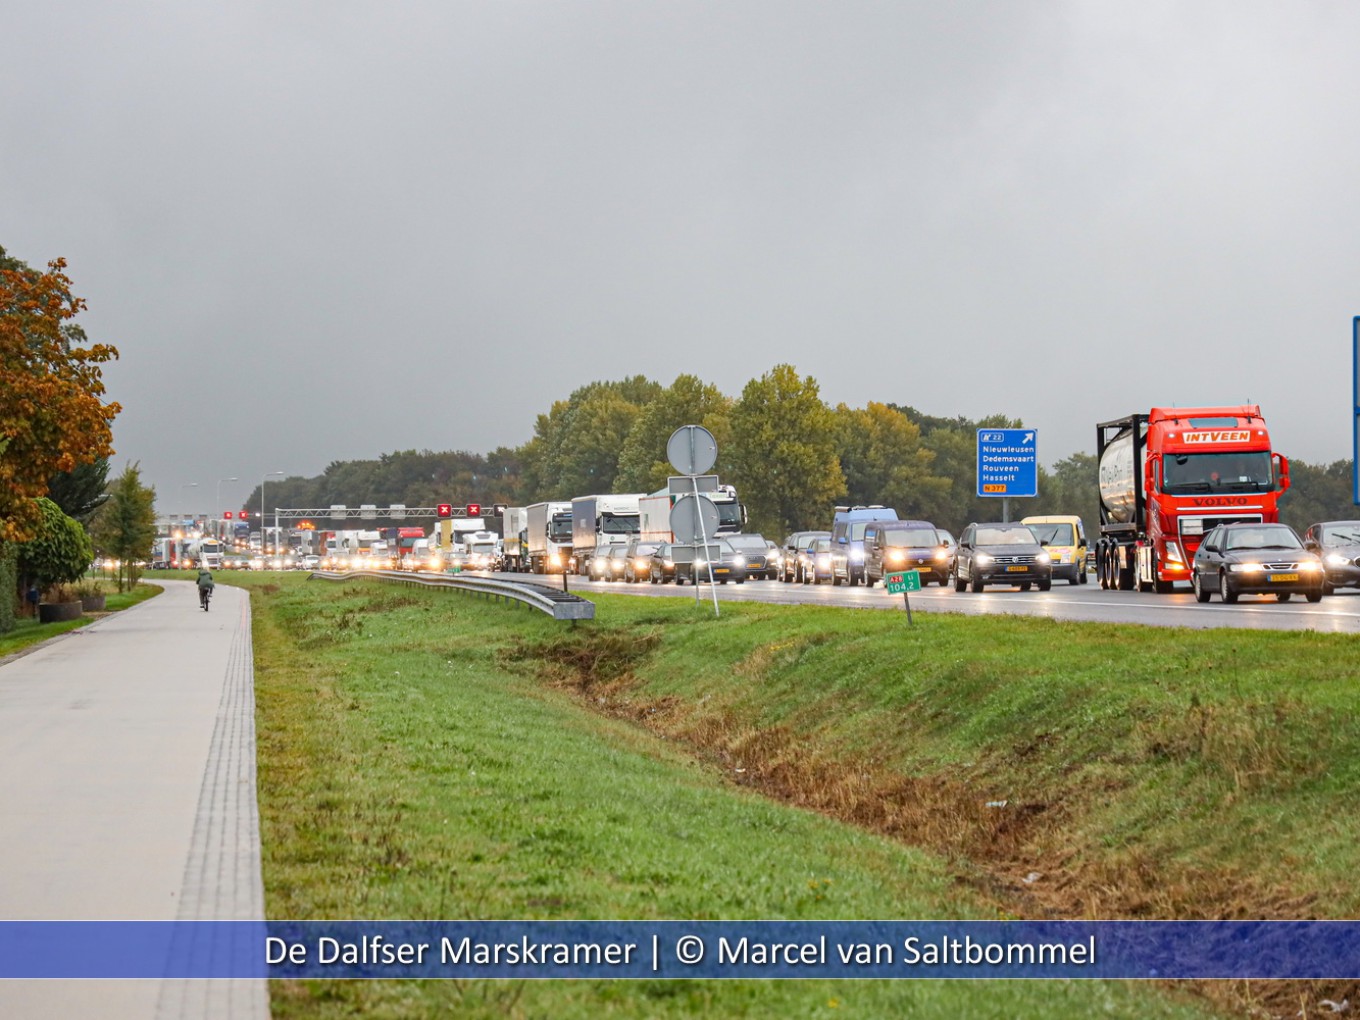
point(1341, 534)
point(1184, 473)
point(1266, 537)
point(822, 545)
point(645, 549)
point(1005, 536)
point(913, 539)
point(748, 542)
point(1054, 534)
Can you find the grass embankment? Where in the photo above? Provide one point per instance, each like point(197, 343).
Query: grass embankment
point(28, 631)
point(428, 755)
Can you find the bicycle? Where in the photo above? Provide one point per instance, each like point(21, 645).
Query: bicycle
point(204, 594)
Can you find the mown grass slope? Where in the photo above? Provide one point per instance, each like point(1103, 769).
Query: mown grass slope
point(431, 755)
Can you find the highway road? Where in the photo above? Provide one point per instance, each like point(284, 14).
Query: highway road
point(1338, 614)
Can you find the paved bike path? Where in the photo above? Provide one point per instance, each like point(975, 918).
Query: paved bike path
point(127, 792)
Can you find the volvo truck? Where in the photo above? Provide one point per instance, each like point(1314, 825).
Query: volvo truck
point(1168, 477)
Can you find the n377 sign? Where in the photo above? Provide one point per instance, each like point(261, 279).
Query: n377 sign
point(1007, 462)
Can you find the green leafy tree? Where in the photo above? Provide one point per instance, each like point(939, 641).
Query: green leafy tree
point(643, 466)
point(884, 460)
point(59, 553)
point(576, 445)
point(125, 526)
point(51, 415)
point(783, 457)
point(1318, 493)
point(954, 443)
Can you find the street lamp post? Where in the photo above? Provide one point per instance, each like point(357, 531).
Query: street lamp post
point(218, 510)
point(264, 531)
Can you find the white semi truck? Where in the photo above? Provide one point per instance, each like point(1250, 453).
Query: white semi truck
point(598, 523)
point(655, 513)
point(548, 536)
point(514, 538)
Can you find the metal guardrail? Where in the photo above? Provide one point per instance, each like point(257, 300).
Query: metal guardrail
point(558, 604)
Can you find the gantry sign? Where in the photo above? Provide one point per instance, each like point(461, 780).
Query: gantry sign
point(397, 512)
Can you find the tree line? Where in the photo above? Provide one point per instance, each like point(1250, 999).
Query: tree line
point(791, 456)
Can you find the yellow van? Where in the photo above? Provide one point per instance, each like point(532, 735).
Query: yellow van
point(1066, 540)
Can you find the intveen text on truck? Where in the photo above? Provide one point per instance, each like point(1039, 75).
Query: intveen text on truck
point(1168, 477)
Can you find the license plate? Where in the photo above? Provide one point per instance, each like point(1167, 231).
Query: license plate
point(719, 570)
point(1020, 569)
point(1283, 577)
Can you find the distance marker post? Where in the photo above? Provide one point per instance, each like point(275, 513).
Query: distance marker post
point(902, 582)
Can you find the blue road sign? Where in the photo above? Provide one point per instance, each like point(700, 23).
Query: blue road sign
point(1007, 462)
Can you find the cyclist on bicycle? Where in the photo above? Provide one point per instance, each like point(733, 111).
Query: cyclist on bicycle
point(205, 586)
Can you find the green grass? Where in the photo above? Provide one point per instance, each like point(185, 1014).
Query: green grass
point(429, 755)
point(28, 631)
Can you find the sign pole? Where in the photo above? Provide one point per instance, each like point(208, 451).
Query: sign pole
point(906, 601)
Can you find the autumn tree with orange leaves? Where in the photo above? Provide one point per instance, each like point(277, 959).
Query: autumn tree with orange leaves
point(52, 417)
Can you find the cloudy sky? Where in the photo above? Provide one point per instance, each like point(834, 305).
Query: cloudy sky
point(323, 231)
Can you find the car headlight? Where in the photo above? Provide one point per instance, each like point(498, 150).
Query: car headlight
point(1337, 560)
point(739, 562)
point(640, 564)
point(857, 555)
point(1043, 558)
point(668, 564)
point(897, 556)
point(1245, 568)
point(982, 559)
point(1309, 567)
point(942, 554)
point(824, 560)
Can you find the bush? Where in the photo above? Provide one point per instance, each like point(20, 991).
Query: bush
point(61, 552)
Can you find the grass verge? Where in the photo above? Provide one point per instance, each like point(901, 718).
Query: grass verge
point(429, 755)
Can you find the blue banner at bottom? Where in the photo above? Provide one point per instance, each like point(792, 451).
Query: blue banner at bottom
point(680, 949)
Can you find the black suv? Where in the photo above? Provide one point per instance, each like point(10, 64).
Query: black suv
point(1001, 553)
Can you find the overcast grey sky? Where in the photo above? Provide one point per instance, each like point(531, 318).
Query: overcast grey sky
point(323, 231)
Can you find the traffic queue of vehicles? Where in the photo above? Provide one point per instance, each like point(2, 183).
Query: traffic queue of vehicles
point(1186, 495)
